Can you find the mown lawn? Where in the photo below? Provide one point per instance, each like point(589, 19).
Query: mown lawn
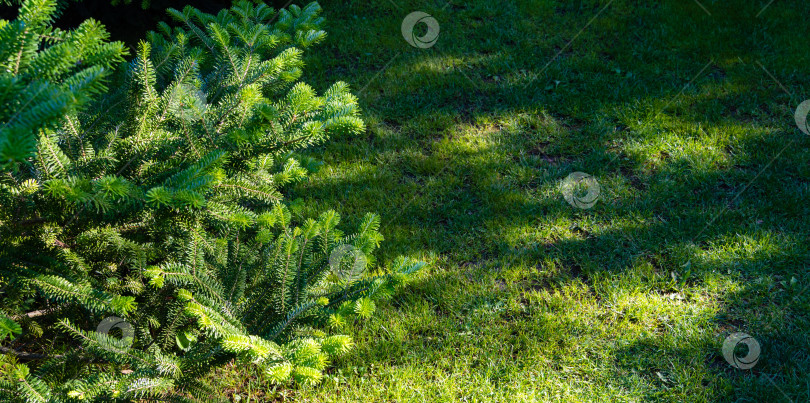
point(684, 114)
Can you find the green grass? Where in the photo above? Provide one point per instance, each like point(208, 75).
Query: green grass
point(701, 228)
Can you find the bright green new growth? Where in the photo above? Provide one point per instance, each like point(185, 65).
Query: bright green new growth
point(159, 203)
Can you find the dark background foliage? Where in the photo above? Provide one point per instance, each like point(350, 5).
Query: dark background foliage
point(127, 22)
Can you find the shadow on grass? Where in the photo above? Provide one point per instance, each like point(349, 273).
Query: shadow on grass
point(702, 216)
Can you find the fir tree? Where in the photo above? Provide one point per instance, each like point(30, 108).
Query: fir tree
point(159, 202)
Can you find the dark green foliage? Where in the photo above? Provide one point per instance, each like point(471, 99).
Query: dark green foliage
point(159, 203)
point(46, 74)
